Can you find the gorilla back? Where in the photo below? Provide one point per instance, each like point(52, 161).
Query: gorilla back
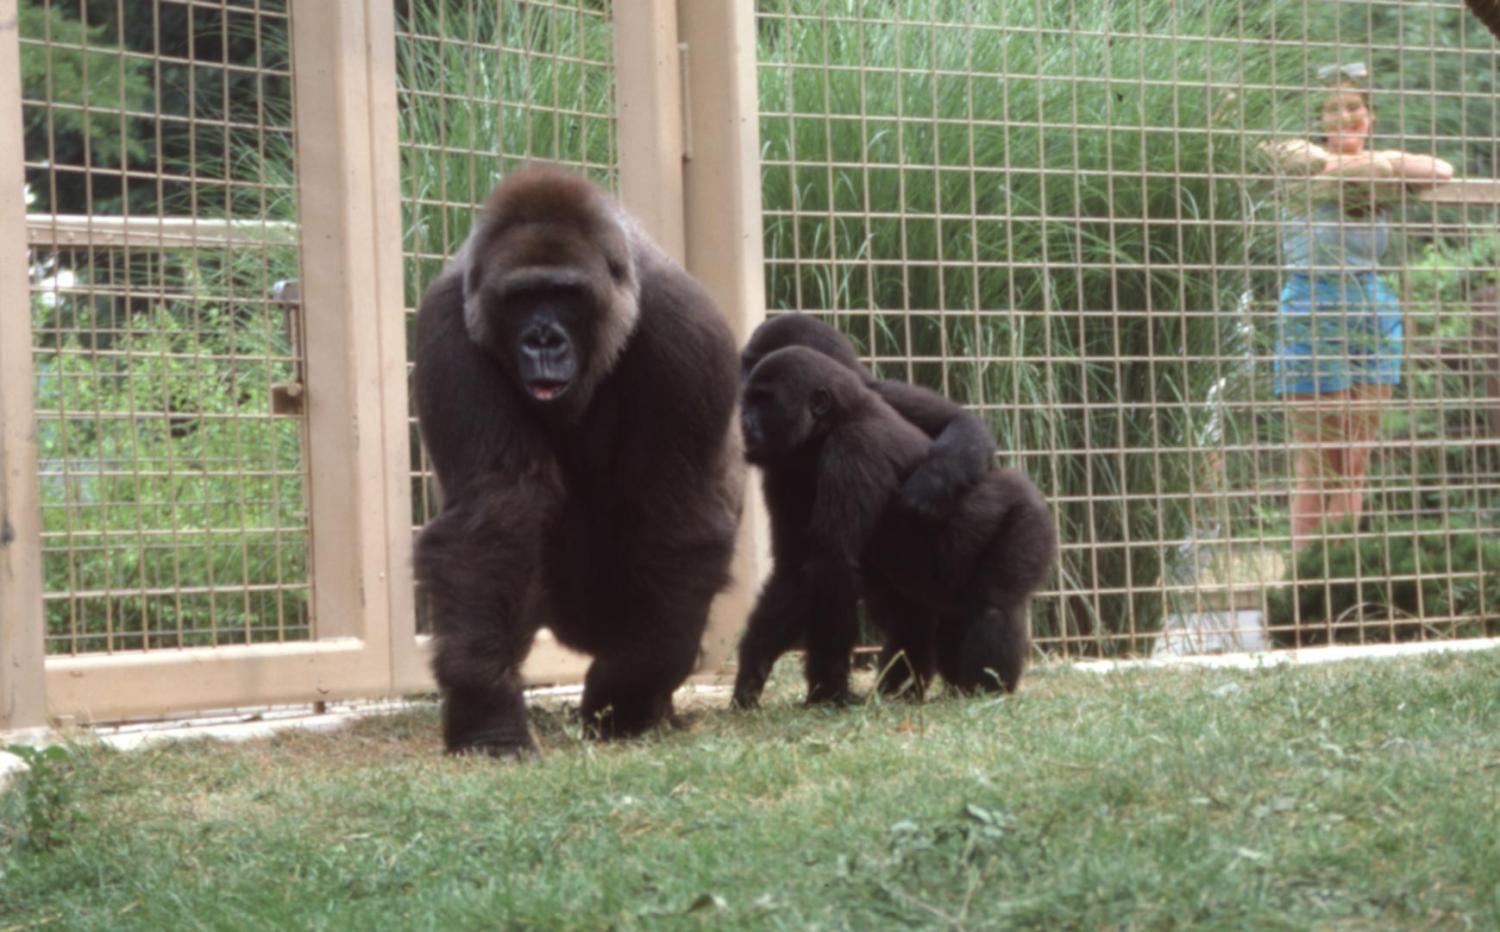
point(574, 388)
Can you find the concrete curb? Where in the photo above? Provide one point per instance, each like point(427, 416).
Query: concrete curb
point(11, 768)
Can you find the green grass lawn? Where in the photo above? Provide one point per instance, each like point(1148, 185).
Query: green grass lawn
point(1360, 794)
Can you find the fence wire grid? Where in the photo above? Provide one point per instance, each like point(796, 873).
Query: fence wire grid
point(1074, 218)
point(1088, 223)
point(486, 87)
point(161, 214)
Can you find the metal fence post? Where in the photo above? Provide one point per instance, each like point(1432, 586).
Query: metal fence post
point(23, 698)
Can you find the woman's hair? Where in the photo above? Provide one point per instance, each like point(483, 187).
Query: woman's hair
point(1349, 87)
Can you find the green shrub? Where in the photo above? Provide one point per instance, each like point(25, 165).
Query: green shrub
point(172, 502)
point(1453, 307)
point(45, 794)
point(1353, 588)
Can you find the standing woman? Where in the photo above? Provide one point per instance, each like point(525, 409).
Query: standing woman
point(1339, 328)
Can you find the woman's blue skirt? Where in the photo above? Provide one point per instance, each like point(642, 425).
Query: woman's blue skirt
point(1336, 330)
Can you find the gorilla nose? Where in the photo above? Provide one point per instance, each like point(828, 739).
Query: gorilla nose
point(544, 338)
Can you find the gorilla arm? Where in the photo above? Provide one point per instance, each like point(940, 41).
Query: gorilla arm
point(477, 560)
point(855, 484)
point(962, 451)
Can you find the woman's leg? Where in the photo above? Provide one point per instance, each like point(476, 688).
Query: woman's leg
point(1320, 441)
point(1334, 435)
point(1368, 402)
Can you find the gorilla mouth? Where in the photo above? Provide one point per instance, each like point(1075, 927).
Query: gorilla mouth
point(546, 389)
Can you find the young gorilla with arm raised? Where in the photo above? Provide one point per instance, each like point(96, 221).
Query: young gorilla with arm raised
point(957, 588)
point(961, 453)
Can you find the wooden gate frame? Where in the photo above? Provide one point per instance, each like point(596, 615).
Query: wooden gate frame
point(23, 702)
point(688, 168)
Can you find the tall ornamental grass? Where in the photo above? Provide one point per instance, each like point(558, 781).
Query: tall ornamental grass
point(1056, 213)
point(172, 502)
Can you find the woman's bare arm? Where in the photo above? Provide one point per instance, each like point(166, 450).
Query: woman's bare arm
point(1367, 166)
point(1330, 176)
point(1416, 169)
point(1295, 156)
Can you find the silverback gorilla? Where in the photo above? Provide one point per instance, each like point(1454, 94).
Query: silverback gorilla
point(789, 610)
point(953, 592)
point(575, 390)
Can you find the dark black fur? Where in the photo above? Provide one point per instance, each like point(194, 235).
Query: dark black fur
point(962, 453)
point(951, 595)
point(575, 390)
point(962, 450)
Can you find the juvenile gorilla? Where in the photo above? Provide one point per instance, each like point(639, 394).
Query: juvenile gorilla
point(575, 390)
point(791, 611)
point(955, 591)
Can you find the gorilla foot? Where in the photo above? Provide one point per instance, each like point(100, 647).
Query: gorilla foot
point(611, 724)
point(499, 745)
point(900, 682)
point(900, 690)
point(835, 698)
point(987, 682)
point(489, 722)
point(747, 690)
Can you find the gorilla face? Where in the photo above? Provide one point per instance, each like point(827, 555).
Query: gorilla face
point(555, 329)
point(551, 291)
point(542, 329)
point(549, 345)
point(773, 426)
point(784, 405)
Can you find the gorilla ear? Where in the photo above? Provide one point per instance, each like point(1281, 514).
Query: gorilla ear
point(821, 402)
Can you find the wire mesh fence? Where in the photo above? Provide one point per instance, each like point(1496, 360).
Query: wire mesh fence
point(1257, 374)
point(1077, 220)
point(161, 214)
point(485, 87)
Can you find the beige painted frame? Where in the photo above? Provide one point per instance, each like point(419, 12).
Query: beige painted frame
point(688, 168)
point(23, 700)
point(348, 176)
point(723, 236)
